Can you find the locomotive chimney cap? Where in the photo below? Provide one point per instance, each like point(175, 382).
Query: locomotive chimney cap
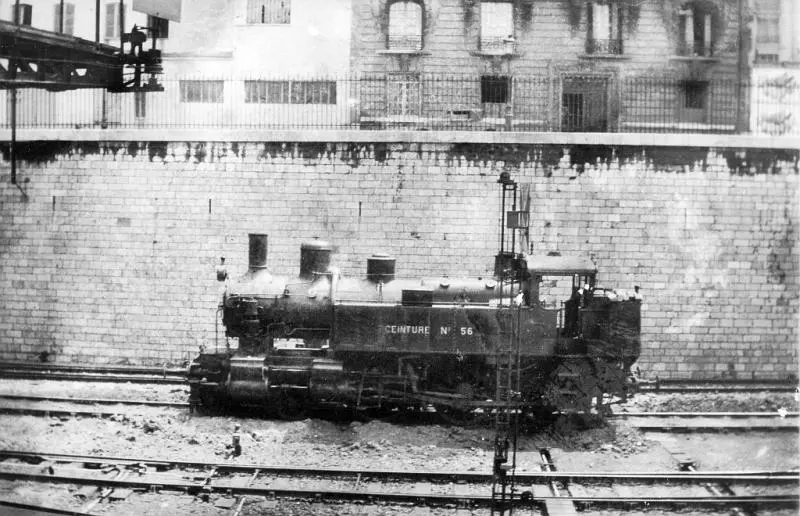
point(316, 245)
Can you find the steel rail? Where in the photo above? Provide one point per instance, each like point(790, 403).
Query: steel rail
point(367, 493)
point(90, 368)
point(416, 475)
point(37, 510)
point(91, 401)
point(644, 423)
point(34, 374)
point(736, 415)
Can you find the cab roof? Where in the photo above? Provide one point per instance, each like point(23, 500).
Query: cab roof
point(560, 265)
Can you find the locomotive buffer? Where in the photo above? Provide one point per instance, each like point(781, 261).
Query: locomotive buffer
point(507, 357)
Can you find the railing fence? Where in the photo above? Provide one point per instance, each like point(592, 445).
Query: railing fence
point(769, 104)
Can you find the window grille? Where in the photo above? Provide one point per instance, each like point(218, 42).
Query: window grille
point(405, 26)
point(290, 92)
point(270, 12)
point(209, 92)
point(495, 89)
point(69, 18)
point(404, 95)
point(695, 94)
point(497, 24)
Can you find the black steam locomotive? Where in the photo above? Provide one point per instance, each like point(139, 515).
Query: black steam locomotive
point(539, 334)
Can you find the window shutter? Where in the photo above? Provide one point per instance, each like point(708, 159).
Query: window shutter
point(601, 17)
point(497, 21)
point(69, 21)
point(111, 16)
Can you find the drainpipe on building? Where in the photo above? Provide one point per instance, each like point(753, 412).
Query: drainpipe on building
point(740, 70)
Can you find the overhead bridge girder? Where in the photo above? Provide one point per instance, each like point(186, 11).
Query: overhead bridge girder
point(35, 58)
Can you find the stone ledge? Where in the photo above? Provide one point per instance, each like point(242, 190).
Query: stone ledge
point(736, 141)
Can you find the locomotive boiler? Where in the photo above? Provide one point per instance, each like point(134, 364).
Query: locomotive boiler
point(539, 333)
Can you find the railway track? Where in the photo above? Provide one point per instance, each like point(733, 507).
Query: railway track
point(87, 373)
point(54, 406)
point(177, 375)
point(717, 386)
point(432, 488)
point(711, 421)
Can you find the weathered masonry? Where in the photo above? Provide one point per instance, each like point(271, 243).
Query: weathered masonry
point(109, 258)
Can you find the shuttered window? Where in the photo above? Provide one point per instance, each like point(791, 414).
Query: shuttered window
point(497, 24)
point(69, 18)
point(24, 15)
point(113, 19)
point(405, 26)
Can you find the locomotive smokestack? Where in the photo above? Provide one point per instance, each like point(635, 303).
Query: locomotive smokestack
point(315, 258)
point(258, 251)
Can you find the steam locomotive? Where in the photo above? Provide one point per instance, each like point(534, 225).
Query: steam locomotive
point(538, 334)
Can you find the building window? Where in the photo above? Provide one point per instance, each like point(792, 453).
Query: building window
point(495, 89)
point(693, 101)
point(497, 25)
point(604, 35)
point(159, 27)
point(69, 18)
point(113, 19)
point(270, 12)
point(767, 45)
point(584, 104)
point(140, 104)
point(696, 27)
point(24, 15)
point(404, 95)
point(405, 25)
point(202, 91)
point(290, 92)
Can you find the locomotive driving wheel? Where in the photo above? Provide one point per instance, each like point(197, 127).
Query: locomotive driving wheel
point(572, 386)
point(292, 406)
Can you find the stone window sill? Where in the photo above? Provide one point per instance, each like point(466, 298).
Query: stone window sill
point(402, 52)
point(699, 59)
point(605, 57)
point(494, 53)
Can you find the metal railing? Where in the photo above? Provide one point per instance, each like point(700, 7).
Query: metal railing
point(407, 101)
point(604, 46)
point(695, 49)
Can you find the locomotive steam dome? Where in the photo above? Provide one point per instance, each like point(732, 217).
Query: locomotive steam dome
point(380, 267)
point(315, 258)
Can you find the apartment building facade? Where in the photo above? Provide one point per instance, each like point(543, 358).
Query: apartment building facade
point(570, 65)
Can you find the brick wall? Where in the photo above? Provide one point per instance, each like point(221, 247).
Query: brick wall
point(110, 259)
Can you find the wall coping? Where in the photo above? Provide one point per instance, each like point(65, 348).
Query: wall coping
point(738, 141)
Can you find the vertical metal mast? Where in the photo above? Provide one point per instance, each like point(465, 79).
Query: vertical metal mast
point(507, 270)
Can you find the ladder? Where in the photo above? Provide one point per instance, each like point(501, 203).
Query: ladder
point(506, 416)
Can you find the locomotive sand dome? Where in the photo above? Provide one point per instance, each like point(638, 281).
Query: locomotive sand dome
point(384, 342)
